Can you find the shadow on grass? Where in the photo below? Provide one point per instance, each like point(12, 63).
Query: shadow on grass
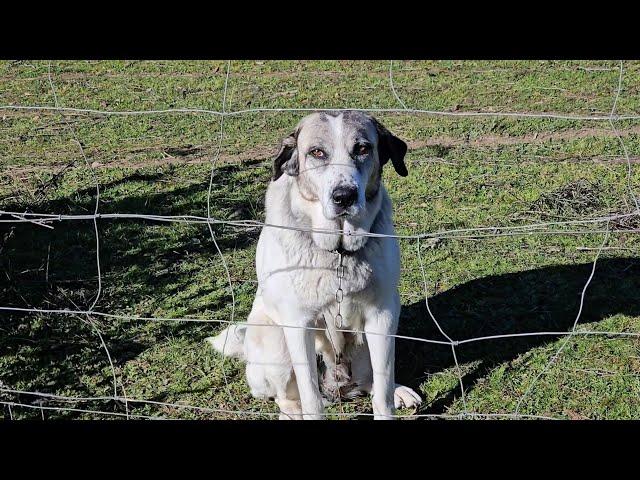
point(544, 299)
point(143, 263)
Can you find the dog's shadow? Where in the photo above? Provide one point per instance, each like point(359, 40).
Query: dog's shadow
point(545, 299)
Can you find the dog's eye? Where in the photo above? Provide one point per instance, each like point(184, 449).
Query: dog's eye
point(362, 149)
point(316, 152)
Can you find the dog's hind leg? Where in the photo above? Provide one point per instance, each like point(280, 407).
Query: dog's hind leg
point(268, 364)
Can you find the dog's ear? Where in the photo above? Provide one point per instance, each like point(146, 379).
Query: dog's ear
point(391, 147)
point(287, 159)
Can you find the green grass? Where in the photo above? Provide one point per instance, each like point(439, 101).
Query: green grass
point(463, 173)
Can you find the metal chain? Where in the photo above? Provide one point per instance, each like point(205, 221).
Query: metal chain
point(339, 291)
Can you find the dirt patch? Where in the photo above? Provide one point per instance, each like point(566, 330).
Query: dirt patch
point(73, 76)
point(535, 138)
point(187, 155)
point(201, 154)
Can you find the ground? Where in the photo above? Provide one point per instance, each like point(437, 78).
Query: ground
point(464, 172)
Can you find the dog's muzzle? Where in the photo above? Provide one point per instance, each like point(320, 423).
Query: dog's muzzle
point(344, 197)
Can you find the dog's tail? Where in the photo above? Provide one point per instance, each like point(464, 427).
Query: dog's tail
point(230, 342)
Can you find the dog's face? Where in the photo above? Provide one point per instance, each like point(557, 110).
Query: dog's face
point(338, 158)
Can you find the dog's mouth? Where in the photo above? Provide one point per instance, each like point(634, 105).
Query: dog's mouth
point(341, 213)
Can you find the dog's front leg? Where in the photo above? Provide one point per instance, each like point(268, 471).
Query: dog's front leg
point(301, 346)
point(380, 323)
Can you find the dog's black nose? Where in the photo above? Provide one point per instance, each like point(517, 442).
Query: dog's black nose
point(345, 196)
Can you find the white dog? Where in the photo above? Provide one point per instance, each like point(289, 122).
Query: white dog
point(327, 177)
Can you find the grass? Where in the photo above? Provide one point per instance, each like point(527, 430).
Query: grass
point(463, 173)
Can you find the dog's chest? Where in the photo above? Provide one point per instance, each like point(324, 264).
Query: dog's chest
point(316, 276)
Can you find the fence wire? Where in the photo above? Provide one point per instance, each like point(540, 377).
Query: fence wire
point(605, 225)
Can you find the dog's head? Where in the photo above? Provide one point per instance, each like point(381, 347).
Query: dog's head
point(337, 158)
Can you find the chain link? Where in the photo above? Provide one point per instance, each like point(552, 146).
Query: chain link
point(339, 292)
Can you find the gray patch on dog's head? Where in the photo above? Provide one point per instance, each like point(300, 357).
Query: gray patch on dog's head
point(390, 147)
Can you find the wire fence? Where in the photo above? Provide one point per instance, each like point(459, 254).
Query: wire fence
point(603, 225)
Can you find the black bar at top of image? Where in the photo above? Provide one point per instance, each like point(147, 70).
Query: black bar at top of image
point(278, 32)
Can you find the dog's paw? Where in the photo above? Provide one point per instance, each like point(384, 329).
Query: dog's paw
point(405, 397)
